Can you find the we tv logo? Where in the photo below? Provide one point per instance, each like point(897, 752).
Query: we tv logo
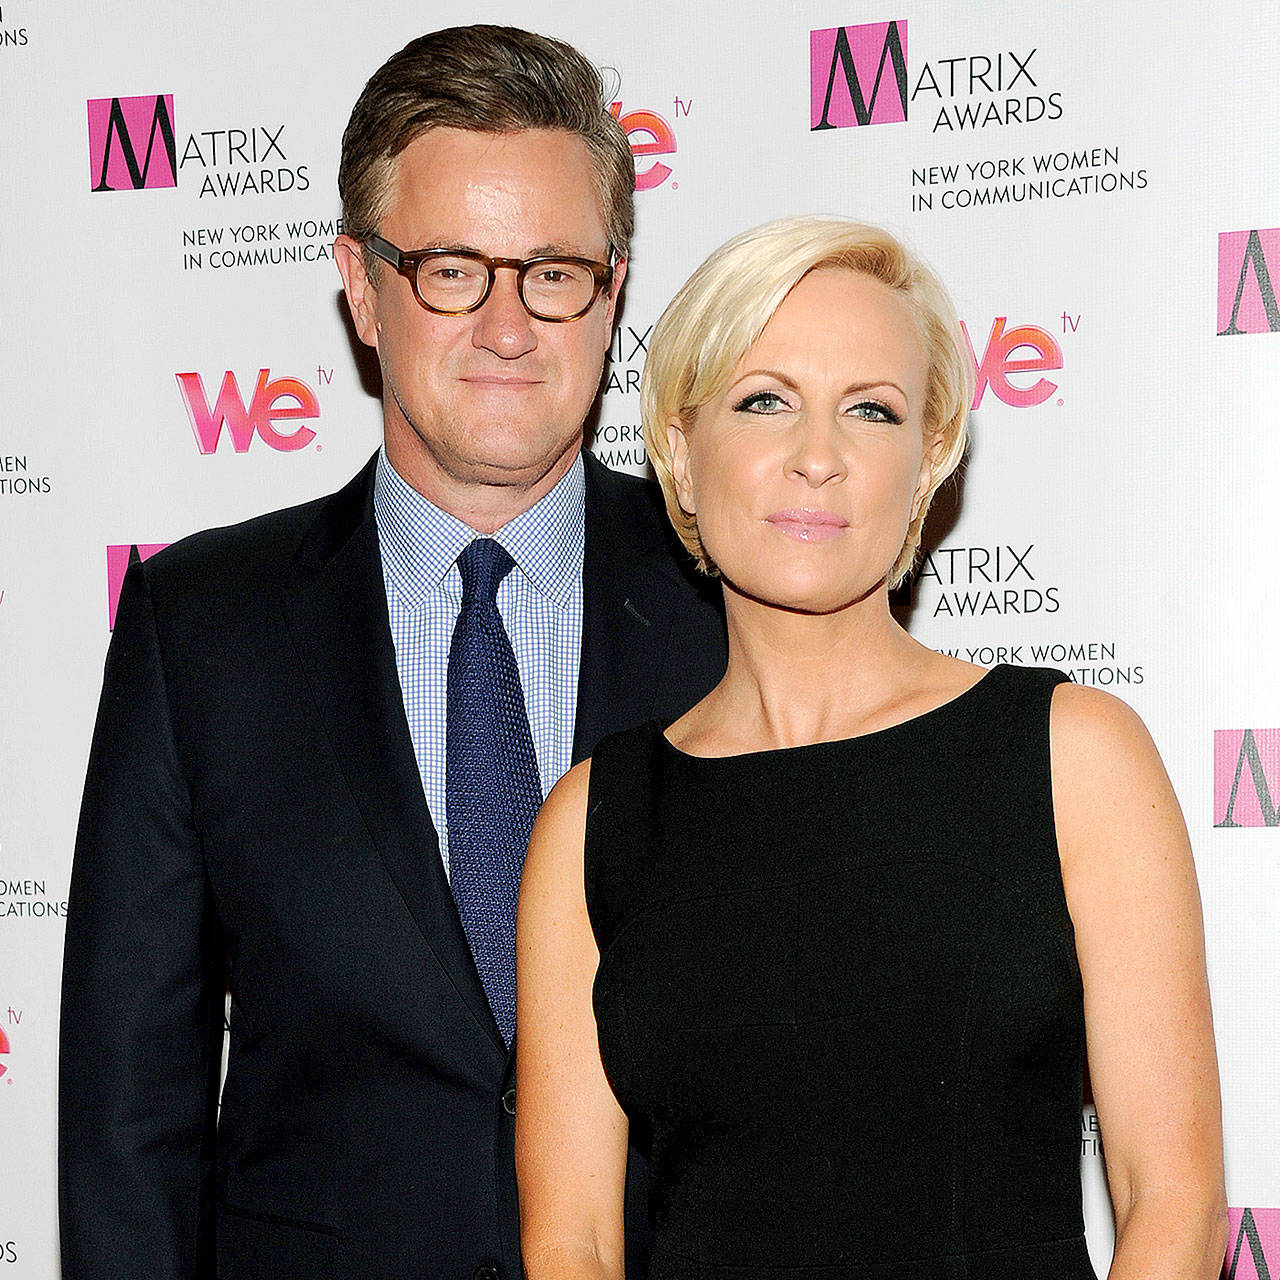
point(1253, 1245)
point(1250, 757)
point(273, 401)
point(132, 146)
point(649, 135)
point(1248, 267)
point(847, 81)
point(1024, 349)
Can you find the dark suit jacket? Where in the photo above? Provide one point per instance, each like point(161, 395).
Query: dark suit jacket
point(253, 814)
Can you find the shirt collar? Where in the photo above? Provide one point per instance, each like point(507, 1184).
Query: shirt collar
point(420, 542)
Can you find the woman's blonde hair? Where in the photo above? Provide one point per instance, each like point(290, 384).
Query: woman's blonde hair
point(724, 306)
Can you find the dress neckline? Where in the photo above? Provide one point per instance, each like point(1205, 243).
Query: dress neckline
point(911, 722)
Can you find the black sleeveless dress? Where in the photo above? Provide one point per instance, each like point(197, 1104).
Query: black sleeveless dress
point(838, 986)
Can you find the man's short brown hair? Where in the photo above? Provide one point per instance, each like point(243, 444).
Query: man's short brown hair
point(489, 79)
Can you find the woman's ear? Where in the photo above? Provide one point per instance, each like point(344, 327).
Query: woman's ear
point(678, 444)
point(928, 466)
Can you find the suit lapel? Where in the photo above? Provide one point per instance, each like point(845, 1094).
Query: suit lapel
point(337, 613)
point(628, 599)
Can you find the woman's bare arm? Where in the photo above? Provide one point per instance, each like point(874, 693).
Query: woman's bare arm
point(571, 1135)
point(1131, 889)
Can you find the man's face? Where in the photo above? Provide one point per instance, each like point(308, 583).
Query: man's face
point(493, 400)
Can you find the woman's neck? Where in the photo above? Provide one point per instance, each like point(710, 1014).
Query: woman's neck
point(795, 678)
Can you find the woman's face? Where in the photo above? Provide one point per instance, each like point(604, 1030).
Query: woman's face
point(806, 471)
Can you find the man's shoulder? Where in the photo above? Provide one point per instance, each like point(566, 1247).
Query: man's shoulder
point(261, 552)
point(630, 521)
point(264, 543)
point(620, 486)
point(629, 503)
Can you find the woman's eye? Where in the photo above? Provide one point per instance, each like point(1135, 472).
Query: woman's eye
point(874, 411)
point(761, 402)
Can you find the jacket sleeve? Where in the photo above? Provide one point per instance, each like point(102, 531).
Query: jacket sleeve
point(143, 983)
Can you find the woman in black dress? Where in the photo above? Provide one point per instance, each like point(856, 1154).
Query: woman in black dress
point(836, 935)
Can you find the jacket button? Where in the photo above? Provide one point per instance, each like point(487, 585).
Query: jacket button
point(509, 1103)
point(486, 1271)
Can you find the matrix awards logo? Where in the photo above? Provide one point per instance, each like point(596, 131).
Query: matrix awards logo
point(1246, 777)
point(1248, 266)
point(132, 146)
point(1253, 1245)
point(847, 81)
point(858, 75)
point(976, 581)
point(864, 75)
point(119, 557)
point(1022, 350)
point(273, 401)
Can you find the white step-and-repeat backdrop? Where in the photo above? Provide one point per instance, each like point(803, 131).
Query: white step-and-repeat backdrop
point(1097, 182)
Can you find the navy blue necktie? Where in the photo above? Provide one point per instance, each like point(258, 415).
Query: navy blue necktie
point(492, 789)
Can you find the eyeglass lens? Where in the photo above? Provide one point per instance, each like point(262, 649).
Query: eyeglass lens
point(550, 288)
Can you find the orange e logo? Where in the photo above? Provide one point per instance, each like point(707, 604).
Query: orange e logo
point(998, 363)
point(661, 142)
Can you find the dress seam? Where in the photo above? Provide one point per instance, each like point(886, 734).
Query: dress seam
point(775, 886)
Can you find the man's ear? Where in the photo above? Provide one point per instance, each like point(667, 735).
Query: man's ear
point(681, 473)
point(615, 288)
point(362, 293)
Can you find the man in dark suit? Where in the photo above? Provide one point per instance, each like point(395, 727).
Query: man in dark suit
point(323, 732)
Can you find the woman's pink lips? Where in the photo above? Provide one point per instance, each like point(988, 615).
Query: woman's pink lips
point(808, 526)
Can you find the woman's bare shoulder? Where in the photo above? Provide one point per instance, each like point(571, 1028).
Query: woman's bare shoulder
point(1113, 803)
point(1094, 730)
point(560, 829)
point(569, 796)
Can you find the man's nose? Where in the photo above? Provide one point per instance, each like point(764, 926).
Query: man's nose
point(502, 325)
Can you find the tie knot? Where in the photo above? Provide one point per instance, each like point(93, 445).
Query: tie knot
point(483, 565)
